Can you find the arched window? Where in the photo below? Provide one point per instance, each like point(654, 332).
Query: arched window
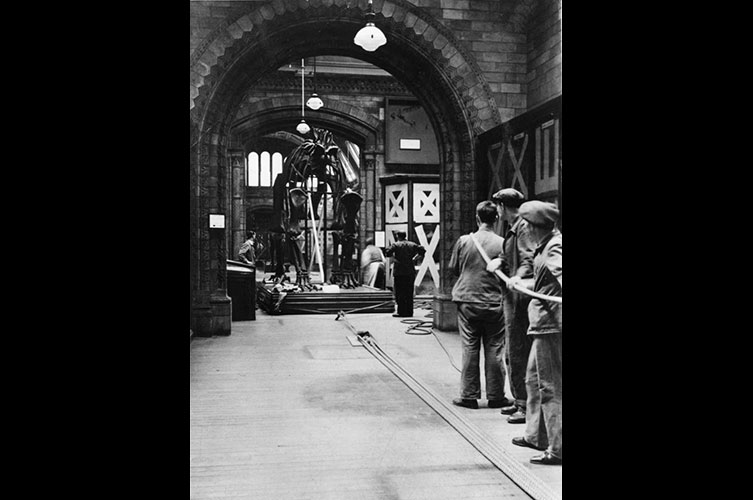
point(265, 172)
point(276, 165)
point(263, 168)
point(253, 169)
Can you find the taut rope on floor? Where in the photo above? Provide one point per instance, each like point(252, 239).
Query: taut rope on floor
point(508, 465)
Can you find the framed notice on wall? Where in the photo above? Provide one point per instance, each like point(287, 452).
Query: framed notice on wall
point(409, 134)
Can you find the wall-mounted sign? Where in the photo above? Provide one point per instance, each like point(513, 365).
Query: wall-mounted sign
point(414, 144)
point(379, 239)
point(547, 123)
point(216, 221)
point(519, 136)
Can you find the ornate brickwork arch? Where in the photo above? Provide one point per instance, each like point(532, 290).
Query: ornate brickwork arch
point(421, 53)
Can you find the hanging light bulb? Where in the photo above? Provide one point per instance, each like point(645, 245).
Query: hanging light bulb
point(303, 127)
point(314, 101)
point(370, 37)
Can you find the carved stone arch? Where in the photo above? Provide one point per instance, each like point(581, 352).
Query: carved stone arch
point(396, 17)
point(421, 53)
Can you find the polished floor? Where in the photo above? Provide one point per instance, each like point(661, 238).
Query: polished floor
point(286, 408)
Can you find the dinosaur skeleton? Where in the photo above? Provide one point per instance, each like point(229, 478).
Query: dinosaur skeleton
point(319, 158)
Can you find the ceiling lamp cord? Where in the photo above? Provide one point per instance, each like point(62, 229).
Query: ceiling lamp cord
point(303, 127)
point(314, 101)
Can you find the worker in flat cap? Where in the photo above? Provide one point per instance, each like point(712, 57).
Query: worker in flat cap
point(478, 296)
point(544, 372)
point(516, 262)
point(405, 253)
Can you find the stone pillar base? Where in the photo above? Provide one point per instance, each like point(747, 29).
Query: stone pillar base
point(213, 316)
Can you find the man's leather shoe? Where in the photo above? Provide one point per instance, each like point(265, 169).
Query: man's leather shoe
point(508, 410)
point(466, 403)
point(498, 403)
point(521, 441)
point(517, 418)
point(546, 459)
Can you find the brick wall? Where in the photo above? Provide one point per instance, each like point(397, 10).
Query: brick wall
point(500, 48)
point(208, 15)
point(545, 53)
point(499, 51)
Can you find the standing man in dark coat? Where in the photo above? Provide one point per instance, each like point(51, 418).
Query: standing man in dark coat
point(517, 263)
point(405, 253)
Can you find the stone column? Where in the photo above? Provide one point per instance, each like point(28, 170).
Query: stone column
point(368, 212)
point(211, 304)
point(237, 233)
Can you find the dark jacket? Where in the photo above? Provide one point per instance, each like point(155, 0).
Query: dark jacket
point(518, 254)
point(545, 317)
point(404, 251)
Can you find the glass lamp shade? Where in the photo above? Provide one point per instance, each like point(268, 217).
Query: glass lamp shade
point(314, 102)
point(303, 127)
point(370, 38)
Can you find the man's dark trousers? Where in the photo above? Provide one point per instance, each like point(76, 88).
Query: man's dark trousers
point(403, 286)
point(517, 345)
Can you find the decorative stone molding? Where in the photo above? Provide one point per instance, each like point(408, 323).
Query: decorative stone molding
point(415, 25)
point(333, 108)
point(368, 85)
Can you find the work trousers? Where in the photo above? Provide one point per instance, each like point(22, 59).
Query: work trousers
point(403, 288)
point(517, 345)
point(482, 325)
point(544, 384)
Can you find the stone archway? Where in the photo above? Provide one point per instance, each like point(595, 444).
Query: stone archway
point(344, 120)
point(421, 53)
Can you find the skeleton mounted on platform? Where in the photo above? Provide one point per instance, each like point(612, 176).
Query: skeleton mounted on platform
point(318, 158)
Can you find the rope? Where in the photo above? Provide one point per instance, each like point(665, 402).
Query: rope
point(424, 327)
point(313, 311)
point(418, 326)
point(516, 287)
point(502, 460)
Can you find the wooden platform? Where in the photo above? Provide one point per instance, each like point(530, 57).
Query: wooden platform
point(351, 301)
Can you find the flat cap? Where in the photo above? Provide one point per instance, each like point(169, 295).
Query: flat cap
point(539, 213)
point(509, 196)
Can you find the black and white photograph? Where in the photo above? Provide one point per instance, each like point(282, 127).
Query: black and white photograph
point(376, 225)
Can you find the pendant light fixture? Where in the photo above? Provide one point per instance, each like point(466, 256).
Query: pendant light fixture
point(303, 127)
point(370, 37)
point(314, 101)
